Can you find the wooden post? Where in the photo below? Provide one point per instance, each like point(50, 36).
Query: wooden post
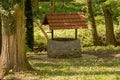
point(75, 33)
point(52, 33)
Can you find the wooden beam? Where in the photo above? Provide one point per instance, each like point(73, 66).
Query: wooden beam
point(52, 33)
point(75, 33)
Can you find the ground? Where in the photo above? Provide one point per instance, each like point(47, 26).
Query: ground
point(93, 65)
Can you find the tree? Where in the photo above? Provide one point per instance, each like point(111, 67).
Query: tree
point(52, 5)
point(31, 11)
point(0, 37)
point(13, 54)
point(35, 8)
point(92, 22)
point(63, 3)
point(29, 24)
point(110, 37)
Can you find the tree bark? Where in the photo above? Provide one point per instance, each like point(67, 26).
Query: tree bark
point(63, 3)
point(35, 8)
point(110, 37)
point(13, 54)
point(29, 24)
point(6, 53)
point(21, 60)
point(96, 40)
point(52, 6)
point(0, 36)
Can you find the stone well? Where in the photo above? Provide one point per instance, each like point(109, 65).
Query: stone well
point(64, 48)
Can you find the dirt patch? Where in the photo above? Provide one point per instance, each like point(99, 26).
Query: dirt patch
point(87, 54)
point(103, 53)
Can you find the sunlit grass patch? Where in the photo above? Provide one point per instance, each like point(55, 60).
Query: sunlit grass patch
point(76, 69)
point(70, 69)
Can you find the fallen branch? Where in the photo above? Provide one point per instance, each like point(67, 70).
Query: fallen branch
point(40, 26)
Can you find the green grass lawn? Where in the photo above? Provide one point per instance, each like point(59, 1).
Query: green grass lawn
point(105, 67)
point(77, 69)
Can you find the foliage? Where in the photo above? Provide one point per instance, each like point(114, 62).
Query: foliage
point(8, 6)
point(7, 9)
point(40, 41)
point(85, 36)
point(27, 49)
point(113, 6)
point(97, 7)
point(71, 7)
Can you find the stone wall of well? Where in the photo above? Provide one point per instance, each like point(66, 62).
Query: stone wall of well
point(64, 49)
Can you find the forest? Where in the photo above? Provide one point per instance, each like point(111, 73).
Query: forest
point(59, 39)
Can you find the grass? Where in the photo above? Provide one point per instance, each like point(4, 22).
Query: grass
point(105, 67)
point(73, 69)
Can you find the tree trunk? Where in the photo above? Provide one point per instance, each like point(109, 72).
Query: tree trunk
point(6, 53)
point(29, 24)
point(35, 8)
point(13, 54)
point(0, 36)
point(96, 41)
point(110, 37)
point(52, 6)
point(21, 60)
point(63, 3)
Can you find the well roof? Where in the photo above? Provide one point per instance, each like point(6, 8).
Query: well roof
point(74, 20)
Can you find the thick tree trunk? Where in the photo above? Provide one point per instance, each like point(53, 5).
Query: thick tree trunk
point(0, 36)
point(29, 24)
point(20, 57)
point(7, 45)
point(110, 37)
point(13, 54)
point(93, 25)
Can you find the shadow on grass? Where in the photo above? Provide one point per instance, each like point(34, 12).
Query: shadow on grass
point(69, 73)
point(77, 66)
point(56, 73)
point(101, 73)
point(79, 63)
point(50, 65)
point(50, 69)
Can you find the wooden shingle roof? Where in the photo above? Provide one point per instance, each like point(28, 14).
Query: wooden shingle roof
point(65, 20)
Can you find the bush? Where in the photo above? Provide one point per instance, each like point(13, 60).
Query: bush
point(86, 37)
point(27, 49)
point(40, 43)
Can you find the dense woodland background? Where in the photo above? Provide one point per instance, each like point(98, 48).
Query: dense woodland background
point(20, 34)
point(103, 24)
